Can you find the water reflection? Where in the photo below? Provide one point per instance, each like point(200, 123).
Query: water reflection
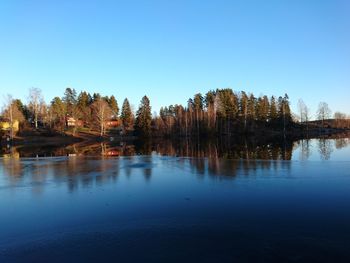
point(247, 149)
point(82, 172)
point(172, 194)
point(325, 148)
point(342, 143)
point(86, 165)
point(230, 150)
point(305, 151)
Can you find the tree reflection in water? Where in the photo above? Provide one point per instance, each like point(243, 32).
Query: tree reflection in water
point(342, 143)
point(87, 164)
point(84, 172)
point(305, 151)
point(224, 148)
point(325, 148)
point(280, 150)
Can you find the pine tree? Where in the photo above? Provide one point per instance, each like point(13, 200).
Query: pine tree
point(211, 111)
point(259, 109)
point(83, 103)
point(144, 118)
point(96, 97)
point(23, 108)
point(244, 108)
point(113, 104)
point(273, 109)
point(70, 100)
point(251, 107)
point(284, 113)
point(262, 108)
point(58, 110)
point(228, 108)
point(198, 109)
point(127, 115)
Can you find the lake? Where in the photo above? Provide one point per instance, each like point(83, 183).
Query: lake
point(177, 202)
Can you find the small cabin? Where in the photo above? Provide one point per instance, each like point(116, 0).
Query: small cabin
point(71, 122)
point(112, 152)
point(113, 123)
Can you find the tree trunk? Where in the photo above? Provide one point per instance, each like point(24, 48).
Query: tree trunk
point(11, 123)
point(36, 120)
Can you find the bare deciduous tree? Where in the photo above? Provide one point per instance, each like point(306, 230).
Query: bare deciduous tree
point(323, 112)
point(35, 104)
point(101, 113)
point(301, 109)
point(304, 112)
point(339, 115)
point(341, 120)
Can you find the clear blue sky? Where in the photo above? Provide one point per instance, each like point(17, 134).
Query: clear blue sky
point(170, 50)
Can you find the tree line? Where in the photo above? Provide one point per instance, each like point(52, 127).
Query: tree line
point(218, 112)
point(224, 112)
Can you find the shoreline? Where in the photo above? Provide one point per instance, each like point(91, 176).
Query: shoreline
point(64, 139)
point(89, 138)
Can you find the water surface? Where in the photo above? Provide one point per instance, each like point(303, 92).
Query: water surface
point(284, 203)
